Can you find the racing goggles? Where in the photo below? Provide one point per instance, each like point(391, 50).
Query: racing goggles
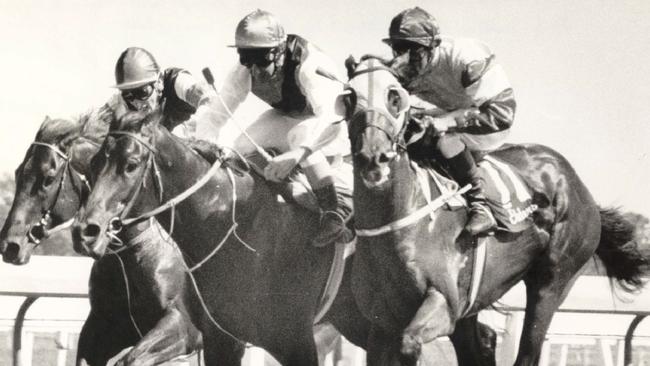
point(401, 47)
point(142, 93)
point(261, 57)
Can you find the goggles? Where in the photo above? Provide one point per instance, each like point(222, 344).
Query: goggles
point(401, 47)
point(142, 93)
point(261, 57)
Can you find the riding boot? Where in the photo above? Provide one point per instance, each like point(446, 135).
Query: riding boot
point(336, 206)
point(464, 170)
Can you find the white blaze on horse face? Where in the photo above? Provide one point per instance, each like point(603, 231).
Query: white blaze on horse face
point(372, 90)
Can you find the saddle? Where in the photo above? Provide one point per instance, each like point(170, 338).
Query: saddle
point(505, 190)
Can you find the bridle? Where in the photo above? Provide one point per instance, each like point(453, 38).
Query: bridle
point(37, 232)
point(396, 139)
point(398, 146)
point(117, 223)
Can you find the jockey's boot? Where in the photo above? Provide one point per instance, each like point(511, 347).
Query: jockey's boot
point(464, 170)
point(336, 206)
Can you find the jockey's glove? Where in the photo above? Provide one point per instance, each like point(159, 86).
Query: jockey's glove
point(456, 120)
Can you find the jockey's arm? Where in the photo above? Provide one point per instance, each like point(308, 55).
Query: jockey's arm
point(213, 110)
point(321, 94)
point(486, 83)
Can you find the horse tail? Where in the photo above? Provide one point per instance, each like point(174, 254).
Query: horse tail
point(619, 252)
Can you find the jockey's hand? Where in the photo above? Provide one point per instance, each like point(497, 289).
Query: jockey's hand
point(282, 165)
point(457, 119)
point(439, 124)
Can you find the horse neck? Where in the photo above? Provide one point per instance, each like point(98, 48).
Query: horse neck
point(400, 196)
point(180, 168)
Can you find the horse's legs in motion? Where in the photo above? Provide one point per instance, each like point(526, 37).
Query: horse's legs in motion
point(432, 320)
point(172, 336)
point(221, 349)
point(474, 343)
point(100, 339)
point(384, 349)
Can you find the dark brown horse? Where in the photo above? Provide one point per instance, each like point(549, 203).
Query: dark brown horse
point(50, 187)
point(408, 276)
point(259, 278)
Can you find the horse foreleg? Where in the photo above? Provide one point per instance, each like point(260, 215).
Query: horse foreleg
point(474, 342)
point(99, 340)
point(172, 336)
point(384, 349)
point(432, 320)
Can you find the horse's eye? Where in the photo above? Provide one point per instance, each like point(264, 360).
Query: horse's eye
point(47, 181)
point(130, 167)
point(394, 102)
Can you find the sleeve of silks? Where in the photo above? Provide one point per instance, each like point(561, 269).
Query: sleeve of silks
point(486, 83)
point(321, 94)
point(213, 109)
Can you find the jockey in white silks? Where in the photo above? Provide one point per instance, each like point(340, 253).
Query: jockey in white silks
point(303, 124)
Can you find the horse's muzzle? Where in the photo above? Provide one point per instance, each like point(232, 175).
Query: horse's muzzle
point(86, 239)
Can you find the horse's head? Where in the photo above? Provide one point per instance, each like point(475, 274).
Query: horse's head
point(125, 179)
point(377, 106)
point(49, 189)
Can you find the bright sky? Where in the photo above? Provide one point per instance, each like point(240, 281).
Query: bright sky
point(580, 69)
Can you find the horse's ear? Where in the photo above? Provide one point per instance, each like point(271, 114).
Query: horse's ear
point(47, 119)
point(351, 65)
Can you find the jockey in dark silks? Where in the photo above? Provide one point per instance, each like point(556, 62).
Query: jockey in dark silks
point(143, 86)
point(303, 124)
point(475, 102)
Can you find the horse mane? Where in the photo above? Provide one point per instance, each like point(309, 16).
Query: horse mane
point(207, 150)
point(91, 125)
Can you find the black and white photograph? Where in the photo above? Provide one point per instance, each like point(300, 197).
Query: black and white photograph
point(325, 183)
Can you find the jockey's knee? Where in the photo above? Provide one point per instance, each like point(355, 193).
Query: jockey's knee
point(450, 145)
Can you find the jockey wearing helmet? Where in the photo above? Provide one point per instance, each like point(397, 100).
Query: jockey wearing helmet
point(144, 87)
point(475, 102)
point(303, 125)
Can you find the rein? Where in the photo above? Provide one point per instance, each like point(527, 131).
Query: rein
point(120, 222)
point(39, 231)
point(414, 217)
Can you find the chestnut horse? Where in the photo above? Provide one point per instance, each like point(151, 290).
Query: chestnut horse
point(408, 270)
point(248, 253)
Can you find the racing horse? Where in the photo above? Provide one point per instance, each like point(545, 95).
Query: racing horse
point(148, 311)
point(410, 258)
point(248, 254)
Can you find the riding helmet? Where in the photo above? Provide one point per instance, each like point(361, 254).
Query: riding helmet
point(259, 29)
point(414, 25)
point(135, 67)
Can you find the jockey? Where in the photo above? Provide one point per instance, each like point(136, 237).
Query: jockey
point(303, 124)
point(475, 102)
point(143, 86)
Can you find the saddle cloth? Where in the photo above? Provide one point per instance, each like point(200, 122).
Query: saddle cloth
point(506, 194)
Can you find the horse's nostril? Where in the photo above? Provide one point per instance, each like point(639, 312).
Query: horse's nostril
point(11, 252)
point(362, 159)
point(91, 231)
